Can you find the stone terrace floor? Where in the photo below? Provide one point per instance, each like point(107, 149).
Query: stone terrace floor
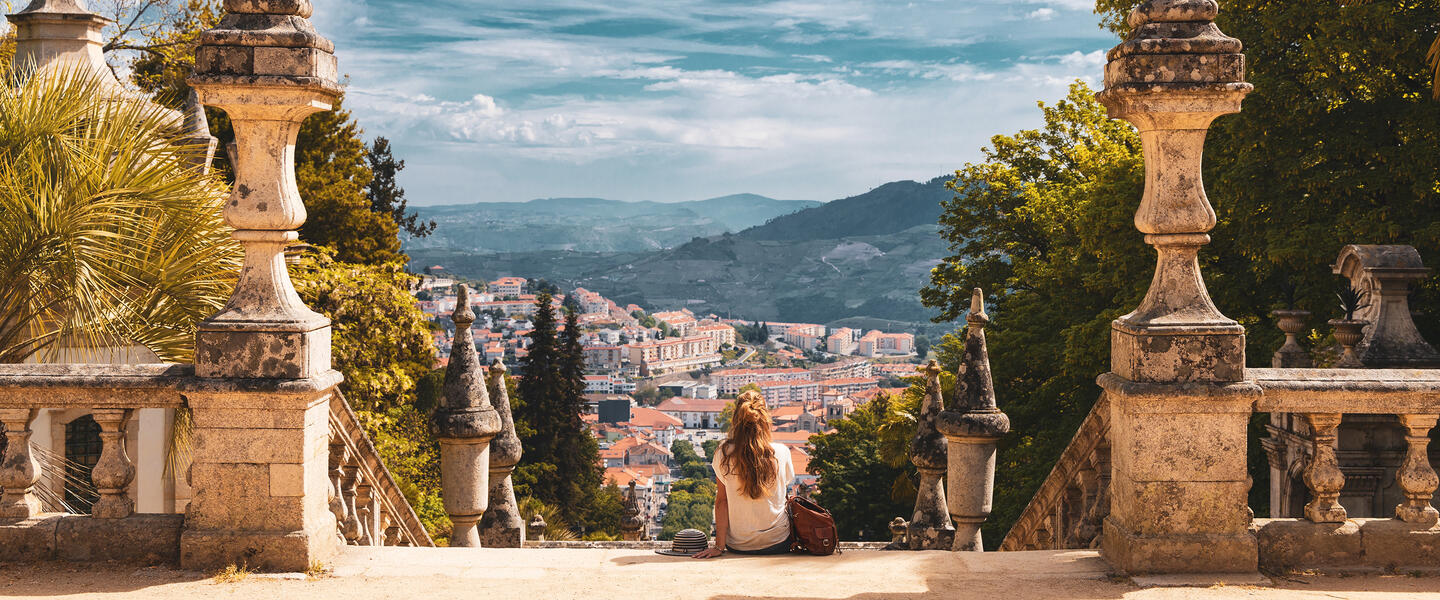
point(636, 574)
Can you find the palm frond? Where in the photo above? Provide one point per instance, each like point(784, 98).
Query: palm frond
point(109, 237)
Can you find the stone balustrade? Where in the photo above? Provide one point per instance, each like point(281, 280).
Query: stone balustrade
point(1069, 509)
point(374, 512)
point(368, 505)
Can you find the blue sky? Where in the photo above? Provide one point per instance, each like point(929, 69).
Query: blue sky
point(669, 100)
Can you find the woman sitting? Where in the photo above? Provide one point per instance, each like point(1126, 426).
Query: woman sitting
point(753, 475)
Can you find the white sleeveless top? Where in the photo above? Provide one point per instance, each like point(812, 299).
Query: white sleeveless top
point(757, 523)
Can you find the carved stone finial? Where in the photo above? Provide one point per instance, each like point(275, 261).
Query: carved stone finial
point(631, 525)
point(977, 315)
point(464, 425)
point(502, 527)
point(930, 527)
point(1174, 75)
point(972, 428)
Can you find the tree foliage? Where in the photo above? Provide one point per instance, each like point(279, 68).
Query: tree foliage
point(391, 384)
point(561, 466)
point(691, 505)
point(385, 194)
point(860, 472)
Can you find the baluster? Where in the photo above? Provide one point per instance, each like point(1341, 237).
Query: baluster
point(365, 509)
point(20, 471)
point(337, 475)
point(113, 472)
point(1323, 474)
point(1073, 509)
point(1043, 540)
point(1416, 476)
point(348, 486)
point(1089, 483)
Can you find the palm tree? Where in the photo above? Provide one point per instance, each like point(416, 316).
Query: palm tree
point(109, 235)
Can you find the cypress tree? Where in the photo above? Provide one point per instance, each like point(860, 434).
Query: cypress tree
point(539, 392)
point(562, 459)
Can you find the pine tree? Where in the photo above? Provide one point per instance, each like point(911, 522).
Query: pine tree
point(561, 465)
point(385, 194)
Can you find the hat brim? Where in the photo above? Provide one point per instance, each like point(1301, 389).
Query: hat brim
point(679, 553)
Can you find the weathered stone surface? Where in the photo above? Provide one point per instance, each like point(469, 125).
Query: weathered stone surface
point(29, 539)
point(930, 527)
point(465, 424)
point(971, 429)
point(19, 471)
point(140, 539)
point(1178, 552)
point(1292, 544)
point(501, 526)
point(1395, 545)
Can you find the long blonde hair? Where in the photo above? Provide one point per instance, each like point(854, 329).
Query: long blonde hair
point(748, 453)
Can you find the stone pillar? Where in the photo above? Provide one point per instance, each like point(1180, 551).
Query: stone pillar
point(1179, 404)
point(262, 412)
point(19, 472)
point(972, 429)
point(1416, 476)
point(464, 425)
point(113, 472)
point(930, 527)
point(502, 527)
point(632, 527)
point(1385, 274)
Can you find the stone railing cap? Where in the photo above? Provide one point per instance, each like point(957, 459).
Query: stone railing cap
point(299, 8)
point(1172, 11)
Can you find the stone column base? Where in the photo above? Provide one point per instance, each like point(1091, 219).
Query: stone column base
point(502, 537)
point(1204, 553)
point(293, 551)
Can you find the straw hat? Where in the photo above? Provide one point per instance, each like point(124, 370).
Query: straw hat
point(688, 542)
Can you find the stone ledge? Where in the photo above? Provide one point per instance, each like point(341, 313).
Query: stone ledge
point(148, 539)
point(1355, 546)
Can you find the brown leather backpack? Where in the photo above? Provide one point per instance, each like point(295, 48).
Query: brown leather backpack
point(812, 529)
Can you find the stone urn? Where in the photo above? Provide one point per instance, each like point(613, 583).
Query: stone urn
point(1291, 354)
point(1349, 332)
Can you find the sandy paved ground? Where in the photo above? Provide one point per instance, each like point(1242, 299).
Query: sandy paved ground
point(634, 575)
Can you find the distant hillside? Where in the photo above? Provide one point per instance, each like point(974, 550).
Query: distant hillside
point(890, 208)
point(852, 261)
point(593, 224)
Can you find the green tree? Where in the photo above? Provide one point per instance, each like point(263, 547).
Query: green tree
point(922, 346)
point(392, 386)
point(858, 476)
point(561, 464)
point(332, 172)
point(385, 194)
point(95, 256)
point(690, 505)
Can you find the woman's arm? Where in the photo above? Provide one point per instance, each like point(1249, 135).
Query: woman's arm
point(722, 523)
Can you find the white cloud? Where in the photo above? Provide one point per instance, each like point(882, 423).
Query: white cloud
point(1041, 14)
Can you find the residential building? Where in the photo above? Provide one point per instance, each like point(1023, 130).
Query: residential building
point(603, 357)
point(730, 381)
point(508, 286)
point(722, 334)
point(877, 343)
point(695, 413)
point(841, 341)
point(682, 321)
point(780, 393)
point(590, 302)
point(673, 354)
point(841, 370)
point(800, 338)
point(599, 384)
point(849, 385)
